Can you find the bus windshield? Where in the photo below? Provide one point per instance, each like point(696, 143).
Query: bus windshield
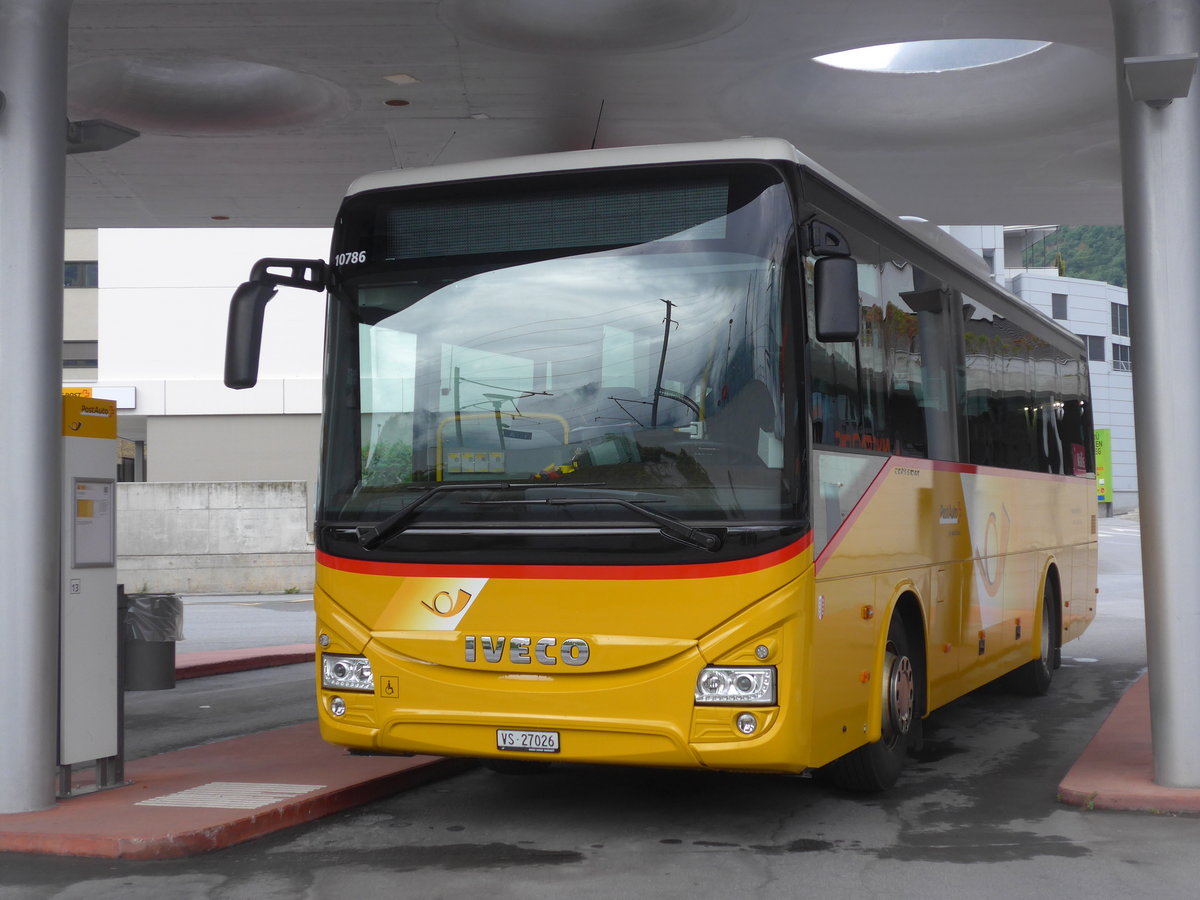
point(576, 340)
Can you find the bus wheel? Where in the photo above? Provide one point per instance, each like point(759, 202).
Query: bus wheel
point(875, 767)
point(1033, 678)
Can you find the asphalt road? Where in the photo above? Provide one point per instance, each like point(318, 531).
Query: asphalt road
point(975, 816)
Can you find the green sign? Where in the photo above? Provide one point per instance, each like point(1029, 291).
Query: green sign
point(1104, 465)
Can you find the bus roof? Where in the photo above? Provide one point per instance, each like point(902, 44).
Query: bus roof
point(575, 160)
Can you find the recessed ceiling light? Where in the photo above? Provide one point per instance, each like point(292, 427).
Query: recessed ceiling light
point(923, 57)
point(401, 79)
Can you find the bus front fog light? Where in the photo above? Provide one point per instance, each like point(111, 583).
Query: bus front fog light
point(747, 723)
point(337, 706)
point(736, 686)
point(346, 673)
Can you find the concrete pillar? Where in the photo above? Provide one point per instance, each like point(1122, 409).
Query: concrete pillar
point(1160, 148)
point(33, 61)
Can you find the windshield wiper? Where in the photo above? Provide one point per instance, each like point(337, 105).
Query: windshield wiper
point(669, 526)
point(371, 536)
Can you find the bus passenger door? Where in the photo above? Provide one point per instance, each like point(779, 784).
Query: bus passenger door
point(949, 586)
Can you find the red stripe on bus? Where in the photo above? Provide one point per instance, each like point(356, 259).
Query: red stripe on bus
point(576, 573)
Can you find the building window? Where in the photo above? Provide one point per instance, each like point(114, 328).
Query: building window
point(1095, 346)
point(80, 354)
point(1120, 319)
point(1121, 361)
point(1058, 305)
point(80, 274)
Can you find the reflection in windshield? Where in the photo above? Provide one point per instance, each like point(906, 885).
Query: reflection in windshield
point(653, 369)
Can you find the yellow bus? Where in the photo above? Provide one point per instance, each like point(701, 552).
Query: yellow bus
point(678, 456)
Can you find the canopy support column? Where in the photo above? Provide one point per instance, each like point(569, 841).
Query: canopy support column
point(33, 121)
point(1156, 43)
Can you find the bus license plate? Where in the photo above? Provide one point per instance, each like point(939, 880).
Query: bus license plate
point(527, 741)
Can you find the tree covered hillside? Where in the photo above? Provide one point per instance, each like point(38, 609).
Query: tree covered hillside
point(1095, 252)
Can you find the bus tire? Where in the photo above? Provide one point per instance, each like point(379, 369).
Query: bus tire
point(876, 766)
point(1033, 678)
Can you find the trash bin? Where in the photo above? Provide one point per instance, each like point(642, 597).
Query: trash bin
point(153, 623)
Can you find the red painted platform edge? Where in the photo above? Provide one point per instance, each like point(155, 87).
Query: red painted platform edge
point(258, 824)
point(1116, 770)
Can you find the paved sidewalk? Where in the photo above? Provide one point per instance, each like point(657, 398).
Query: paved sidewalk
point(1116, 771)
point(219, 794)
point(209, 797)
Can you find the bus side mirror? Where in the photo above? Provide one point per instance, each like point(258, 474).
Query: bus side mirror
point(836, 289)
point(243, 340)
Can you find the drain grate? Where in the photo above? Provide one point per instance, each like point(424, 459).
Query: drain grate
point(232, 795)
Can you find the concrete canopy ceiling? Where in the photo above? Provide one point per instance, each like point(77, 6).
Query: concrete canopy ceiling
point(263, 111)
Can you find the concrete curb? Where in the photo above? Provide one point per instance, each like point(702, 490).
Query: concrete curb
point(221, 662)
point(119, 824)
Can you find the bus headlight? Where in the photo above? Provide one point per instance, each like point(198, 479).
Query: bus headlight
point(346, 673)
point(740, 686)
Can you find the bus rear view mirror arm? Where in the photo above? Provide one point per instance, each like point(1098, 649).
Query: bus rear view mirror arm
point(243, 340)
point(836, 289)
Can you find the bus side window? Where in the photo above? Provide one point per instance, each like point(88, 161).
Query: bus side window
point(890, 391)
point(896, 355)
point(840, 409)
point(834, 399)
point(1075, 423)
point(918, 356)
point(1010, 394)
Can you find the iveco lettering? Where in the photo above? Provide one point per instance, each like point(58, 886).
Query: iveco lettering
point(546, 651)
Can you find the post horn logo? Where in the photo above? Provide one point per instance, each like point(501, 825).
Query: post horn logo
point(995, 551)
point(446, 606)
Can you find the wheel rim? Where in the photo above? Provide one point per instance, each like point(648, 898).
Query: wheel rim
point(899, 698)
